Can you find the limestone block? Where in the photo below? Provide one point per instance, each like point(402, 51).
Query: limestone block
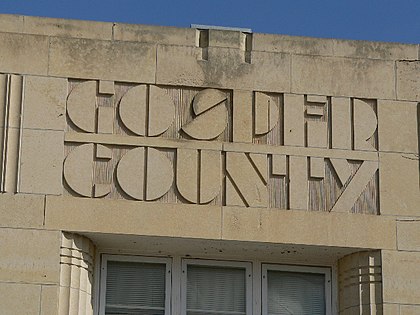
point(410, 309)
point(30, 256)
point(317, 134)
point(319, 100)
point(279, 164)
point(357, 185)
point(155, 34)
point(343, 76)
point(133, 109)
point(105, 119)
point(341, 123)
point(365, 125)
point(21, 210)
point(11, 23)
point(81, 106)
point(177, 65)
point(17, 298)
point(242, 116)
point(247, 178)
point(44, 103)
point(150, 106)
point(49, 300)
point(266, 113)
point(210, 175)
point(292, 44)
point(315, 110)
point(133, 217)
point(187, 166)
point(294, 123)
point(78, 171)
point(398, 126)
point(391, 309)
point(399, 184)
point(149, 164)
point(311, 228)
point(224, 38)
point(400, 272)
point(199, 176)
point(211, 115)
point(106, 87)
point(374, 50)
point(41, 162)
point(105, 60)
point(161, 111)
point(67, 28)
point(317, 167)
point(408, 234)
point(408, 80)
point(23, 53)
point(342, 169)
point(298, 182)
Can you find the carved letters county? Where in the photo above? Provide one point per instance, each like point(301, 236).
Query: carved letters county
point(222, 147)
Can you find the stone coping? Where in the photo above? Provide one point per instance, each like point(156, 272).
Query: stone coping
point(215, 38)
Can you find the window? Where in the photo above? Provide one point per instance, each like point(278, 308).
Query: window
point(156, 286)
point(216, 287)
point(135, 285)
point(295, 290)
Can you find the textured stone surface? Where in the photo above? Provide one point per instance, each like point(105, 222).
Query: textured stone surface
point(408, 80)
point(19, 298)
point(44, 103)
point(155, 34)
point(391, 309)
point(23, 53)
point(342, 76)
point(398, 126)
point(374, 50)
point(300, 227)
point(21, 210)
point(292, 44)
point(67, 28)
point(105, 60)
point(30, 256)
point(399, 188)
point(41, 173)
point(227, 39)
point(207, 135)
point(130, 217)
point(408, 234)
point(410, 309)
point(11, 23)
point(179, 65)
point(242, 116)
point(399, 270)
point(49, 299)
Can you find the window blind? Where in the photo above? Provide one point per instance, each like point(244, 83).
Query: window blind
point(295, 293)
point(135, 288)
point(216, 290)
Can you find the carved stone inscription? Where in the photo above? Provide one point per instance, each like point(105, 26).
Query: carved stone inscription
point(207, 146)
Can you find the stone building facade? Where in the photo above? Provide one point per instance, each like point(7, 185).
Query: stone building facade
point(146, 169)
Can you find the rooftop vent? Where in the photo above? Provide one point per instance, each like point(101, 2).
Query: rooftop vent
point(221, 28)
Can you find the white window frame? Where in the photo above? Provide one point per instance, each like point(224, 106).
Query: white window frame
point(291, 268)
point(140, 259)
point(217, 263)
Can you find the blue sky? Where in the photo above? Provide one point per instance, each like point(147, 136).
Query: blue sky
point(378, 20)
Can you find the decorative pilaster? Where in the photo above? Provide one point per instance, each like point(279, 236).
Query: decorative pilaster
point(360, 283)
point(76, 275)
